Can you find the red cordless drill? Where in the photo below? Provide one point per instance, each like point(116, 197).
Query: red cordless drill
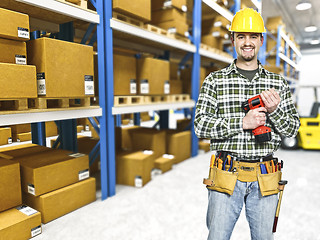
point(262, 133)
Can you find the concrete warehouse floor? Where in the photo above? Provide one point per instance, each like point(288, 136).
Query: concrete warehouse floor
point(173, 206)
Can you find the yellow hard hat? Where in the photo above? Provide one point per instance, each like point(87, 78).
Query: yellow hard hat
point(247, 20)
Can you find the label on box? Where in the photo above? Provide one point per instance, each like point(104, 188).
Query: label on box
point(27, 210)
point(36, 231)
point(138, 182)
point(133, 86)
point(144, 86)
point(216, 34)
point(184, 8)
point(23, 32)
point(217, 24)
point(155, 172)
point(21, 59)
point(168, 156)
point(147, 152)
point(83, 174)
point(75, 155)
point(41, 82)
point(167, 3)
point(166, 87)
point(88, 85)
point(172, 30)
point(9, 140)
point(31, 189)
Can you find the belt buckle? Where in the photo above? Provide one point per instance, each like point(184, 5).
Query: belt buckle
point(249, 169)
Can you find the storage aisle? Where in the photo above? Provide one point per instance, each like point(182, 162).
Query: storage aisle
point(173, 206)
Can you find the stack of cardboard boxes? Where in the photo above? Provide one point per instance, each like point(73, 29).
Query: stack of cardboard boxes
point(54, 182)
point(16, 221)
point(17, 79)
point(171, 16)
point(142, 76)
point(215, 31)
point(56, 69)
point(272, 25)
point(140, 151)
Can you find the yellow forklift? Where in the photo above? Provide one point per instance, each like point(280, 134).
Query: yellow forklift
point(309, 133)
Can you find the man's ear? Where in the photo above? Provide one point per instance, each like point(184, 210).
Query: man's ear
point(262, 39)
point(232, 40)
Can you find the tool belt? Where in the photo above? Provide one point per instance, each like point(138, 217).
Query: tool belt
point(225, 170)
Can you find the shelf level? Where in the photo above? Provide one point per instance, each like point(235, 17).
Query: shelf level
point(145, 34)
point(64, 8)
point(215, 56)
point(222, 11)
point(31, 116)
point(290, 43)
point(152, 107)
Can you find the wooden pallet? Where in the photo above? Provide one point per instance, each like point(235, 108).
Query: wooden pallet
point(164, 32)
point(81, 3)
point(13, 104)
point(149, 99)
point(127, 19)
point(128, 100)
point(45, 103)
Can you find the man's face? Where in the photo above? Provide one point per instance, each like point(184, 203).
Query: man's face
point(247, 45)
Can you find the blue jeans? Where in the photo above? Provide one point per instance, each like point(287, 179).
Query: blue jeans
point(224, 211)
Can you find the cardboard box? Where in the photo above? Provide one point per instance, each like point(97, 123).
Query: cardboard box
point(51, 129)
point(86, 145)
point(124, 75)
point(211, 41)
point(205, 146)
point(183, 124)
point(164, 163)
point(156, 72)
point(20, 223)
point(176, 87)
point(273, 23)
point(57, 203)
point(17, 81)
point(64, 69)
point(10, 186)
point(149, 139)
point(21, 137)
point(274, 69)
point(139, 9)
point(174, 71)
point(13, 51)
point(179, 145)
point(134, 168)
point(169, 14)
point(14, 25)
point(50, 170)
point(21, 128)
point(5, 135)
point(173, 26)
point(124, 137)
point(186, 79)
point(22, 150)
point(161, 4)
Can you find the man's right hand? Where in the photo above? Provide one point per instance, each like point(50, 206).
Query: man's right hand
point(254, 118)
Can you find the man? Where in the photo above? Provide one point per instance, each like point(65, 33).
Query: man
point(220, 117)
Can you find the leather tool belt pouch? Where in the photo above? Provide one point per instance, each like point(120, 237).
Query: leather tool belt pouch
point(269, 183)
point(221, 181)
point(225, 181)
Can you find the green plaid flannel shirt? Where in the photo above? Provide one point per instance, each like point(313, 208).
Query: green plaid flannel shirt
point(219, 114)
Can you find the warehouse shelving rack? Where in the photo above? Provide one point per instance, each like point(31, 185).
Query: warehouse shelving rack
point(106, 26)
point(286, 54)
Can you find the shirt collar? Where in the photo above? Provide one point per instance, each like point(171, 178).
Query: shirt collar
point(233, 68)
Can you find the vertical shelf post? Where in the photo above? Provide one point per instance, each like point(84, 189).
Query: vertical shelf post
point(196, 35)
point(105, 70)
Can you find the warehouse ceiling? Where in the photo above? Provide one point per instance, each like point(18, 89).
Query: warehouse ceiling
point(295, 20)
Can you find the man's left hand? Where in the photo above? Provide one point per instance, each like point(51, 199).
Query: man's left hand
point(271, 99)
